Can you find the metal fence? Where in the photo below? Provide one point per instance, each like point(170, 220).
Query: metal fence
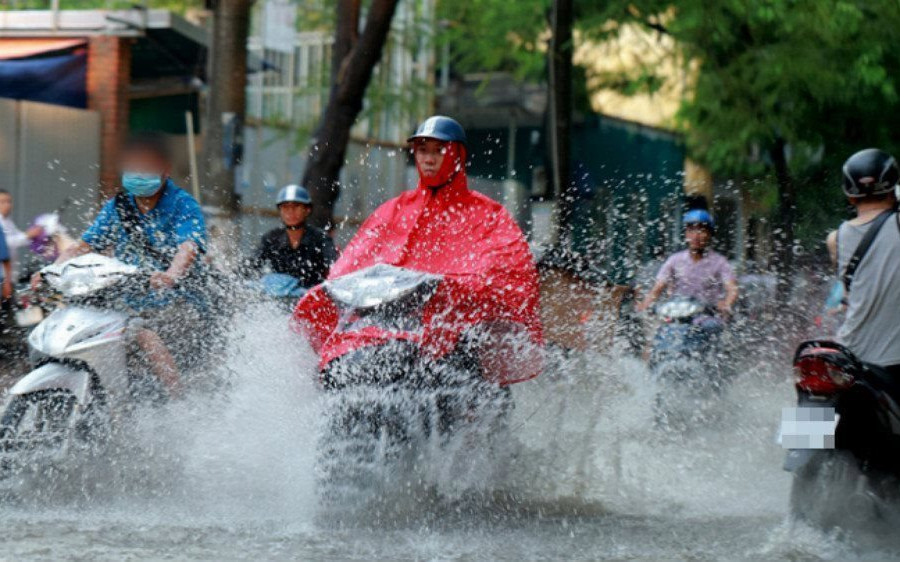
point(49, 160)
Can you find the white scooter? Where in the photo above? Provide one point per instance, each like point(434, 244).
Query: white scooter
point(81, 378)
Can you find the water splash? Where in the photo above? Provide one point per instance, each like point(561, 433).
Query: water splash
point(231, 473)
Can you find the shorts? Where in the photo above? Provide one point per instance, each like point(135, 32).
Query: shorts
point(183, 327)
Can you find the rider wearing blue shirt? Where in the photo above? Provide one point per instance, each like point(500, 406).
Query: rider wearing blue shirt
point(176, 219)
point(158, 227)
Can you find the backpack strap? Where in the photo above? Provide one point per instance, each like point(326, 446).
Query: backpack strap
point(837, 252)
point(129, 218)
point(864, 246)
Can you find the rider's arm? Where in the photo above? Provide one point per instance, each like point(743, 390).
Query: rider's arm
point(183, 260)
point(7, 279)
point(731, 293)
point(262, 256)
point(190, 233)
point(102, 235)
point(729, 282)
point(654, 294)
point(329, 251)
point(831, 243)
point(662, 282)
point(15, 238)
point(181, 264)
point(77, 249)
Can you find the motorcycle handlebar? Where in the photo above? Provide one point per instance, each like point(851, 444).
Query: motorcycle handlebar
point(708, 310)
point(137, 279)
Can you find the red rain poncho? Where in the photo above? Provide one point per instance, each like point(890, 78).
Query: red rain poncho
point(489, 274)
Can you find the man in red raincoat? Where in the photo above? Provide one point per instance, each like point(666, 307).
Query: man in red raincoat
point(490, 283)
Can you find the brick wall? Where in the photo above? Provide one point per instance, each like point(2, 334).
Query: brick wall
point(108, 78)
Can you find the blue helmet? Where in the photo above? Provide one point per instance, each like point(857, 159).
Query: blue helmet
point(699, 216)
point(293, 194)
point(440, 128)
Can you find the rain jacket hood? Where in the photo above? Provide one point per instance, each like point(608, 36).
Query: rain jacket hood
point(489, 275)
point(452, 166)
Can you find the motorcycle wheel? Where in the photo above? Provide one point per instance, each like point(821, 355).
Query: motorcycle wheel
point(39, 420)
point(831, 491)
point(39, 426)
point(357, 451)
point(684, 396)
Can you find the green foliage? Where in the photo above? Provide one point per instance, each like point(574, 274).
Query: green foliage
point(493, 35)
point(178, 6)
point(824, 75)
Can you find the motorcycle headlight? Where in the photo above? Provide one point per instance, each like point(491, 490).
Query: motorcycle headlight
point(679, 309)
point(377, 285)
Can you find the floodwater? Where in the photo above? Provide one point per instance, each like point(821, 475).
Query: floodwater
point(229, 476)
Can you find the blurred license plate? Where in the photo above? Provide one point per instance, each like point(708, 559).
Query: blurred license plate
point(808, 428)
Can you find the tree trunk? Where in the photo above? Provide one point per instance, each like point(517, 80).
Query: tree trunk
point(787, 202)
point(226, 103)
point(352, 67)
point(346, 33)
point(560, 84)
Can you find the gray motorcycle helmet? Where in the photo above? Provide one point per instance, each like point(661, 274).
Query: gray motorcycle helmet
point(293, 193)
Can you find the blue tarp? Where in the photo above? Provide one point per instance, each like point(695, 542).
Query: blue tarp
point(59, 80)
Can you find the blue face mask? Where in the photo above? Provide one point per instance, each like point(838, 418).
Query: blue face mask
point(141, 185)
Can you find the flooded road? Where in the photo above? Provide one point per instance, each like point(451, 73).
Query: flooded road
point(229, 476)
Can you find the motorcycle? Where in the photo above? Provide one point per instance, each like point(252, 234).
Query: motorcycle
point(683, 359)
point(84, 374)
point(388, 403)
point(24, 311)
point(843, 439)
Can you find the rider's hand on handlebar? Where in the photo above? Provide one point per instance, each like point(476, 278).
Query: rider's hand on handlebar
point(162, 280)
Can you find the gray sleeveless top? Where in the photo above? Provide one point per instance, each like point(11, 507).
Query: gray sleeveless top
point(871, 328)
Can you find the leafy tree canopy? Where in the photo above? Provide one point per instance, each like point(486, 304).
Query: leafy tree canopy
point(822, 75)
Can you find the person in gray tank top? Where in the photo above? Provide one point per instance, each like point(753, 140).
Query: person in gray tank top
point(871, 328)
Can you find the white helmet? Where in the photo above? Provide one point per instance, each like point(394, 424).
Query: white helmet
point(293, 193)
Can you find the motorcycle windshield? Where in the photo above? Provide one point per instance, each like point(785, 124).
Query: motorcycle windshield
point(378, 285)
point(86, 274)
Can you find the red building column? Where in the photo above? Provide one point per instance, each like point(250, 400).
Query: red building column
point(108, 79)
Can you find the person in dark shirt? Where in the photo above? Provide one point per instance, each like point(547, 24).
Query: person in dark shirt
point(296, 249)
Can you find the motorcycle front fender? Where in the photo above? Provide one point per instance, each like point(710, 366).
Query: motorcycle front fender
point(795, 459)
point(55, 376)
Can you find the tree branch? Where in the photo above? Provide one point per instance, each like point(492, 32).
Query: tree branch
point(354, 62)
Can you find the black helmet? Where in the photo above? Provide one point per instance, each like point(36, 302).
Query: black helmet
point(870, 172)
point(440, 128)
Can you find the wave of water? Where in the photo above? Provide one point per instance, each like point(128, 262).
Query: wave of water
point(230, 474)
